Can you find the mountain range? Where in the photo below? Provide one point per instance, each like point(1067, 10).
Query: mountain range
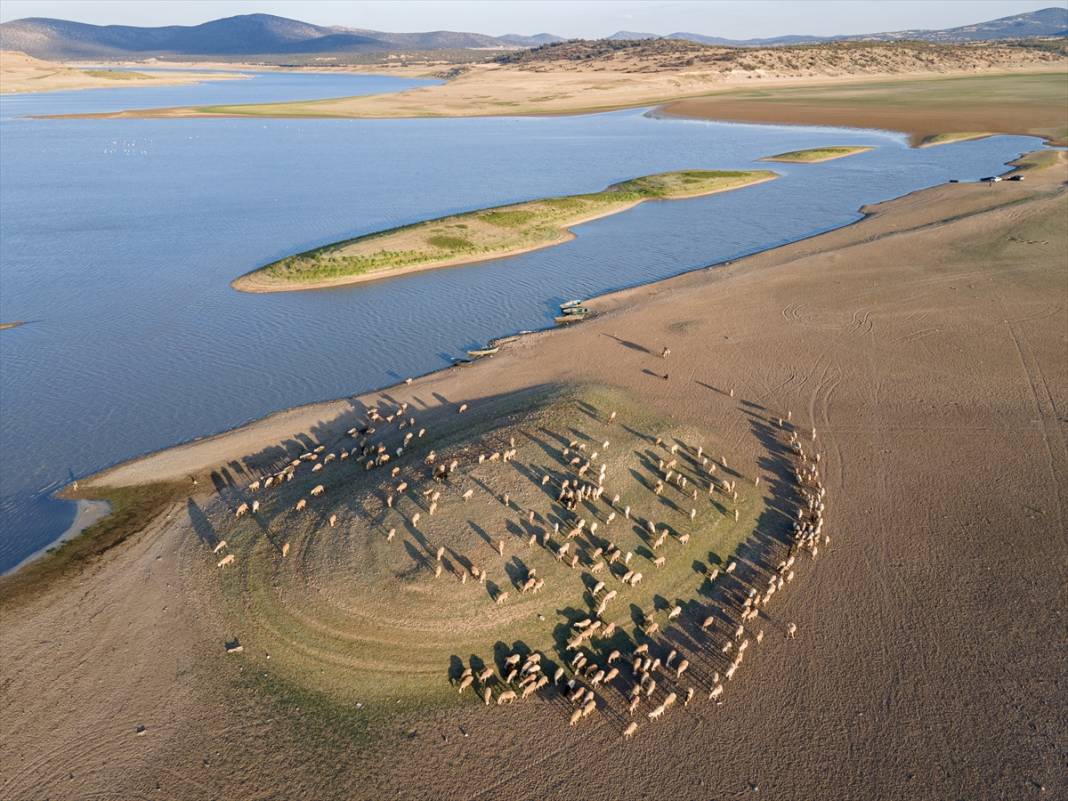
point(1045, 22)
point(263, 34)
point(244, 35)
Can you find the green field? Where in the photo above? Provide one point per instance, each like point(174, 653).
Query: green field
point(485, 234)
point(117, 75)
point(132, 509)
point(351, 617)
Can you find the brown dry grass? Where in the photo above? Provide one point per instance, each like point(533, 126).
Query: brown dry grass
point(927, 109)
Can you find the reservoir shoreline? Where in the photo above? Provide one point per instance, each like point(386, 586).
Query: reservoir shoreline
point(248, 437)
point(259, 281)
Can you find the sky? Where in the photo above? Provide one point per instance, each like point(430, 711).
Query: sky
point(736, 19)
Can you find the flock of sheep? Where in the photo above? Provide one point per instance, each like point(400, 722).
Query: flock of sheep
point(649, 673)
point(370, 454)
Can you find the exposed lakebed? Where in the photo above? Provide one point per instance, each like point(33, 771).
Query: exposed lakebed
point(119, 239)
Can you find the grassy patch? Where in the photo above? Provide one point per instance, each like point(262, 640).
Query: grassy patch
point(324, 720)
point(131, 510)
point(350, 617)
point(117, 75)
point(507, 219)
point(488, 232)
point(817, 154)
point(1037, 160)
point(959, 136)
point(448, 242)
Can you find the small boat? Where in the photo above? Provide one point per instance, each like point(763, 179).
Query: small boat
point(575, 310)
point(564, 319)
point(567, 304)
point(474, 354)
point(458, 362)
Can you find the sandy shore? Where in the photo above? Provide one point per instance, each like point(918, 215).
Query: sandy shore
point(926, 345)
point(810, 157)
point(86, 513)
point(701, 91)
point(20, 73)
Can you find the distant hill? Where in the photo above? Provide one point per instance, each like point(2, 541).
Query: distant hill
point(773, 41)
point(630, 36)
point(1045, 22)
point(530, 41)
point(265, 34)
point(245, 35)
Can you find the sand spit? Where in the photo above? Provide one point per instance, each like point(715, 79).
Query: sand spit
point(950, 138)
point(20, 73)
point(817, 155)
point(925, 344)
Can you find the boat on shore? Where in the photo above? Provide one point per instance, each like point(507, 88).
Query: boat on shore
point(568, 304)
point(564, 319)
point(478, 352)
point(575, 310)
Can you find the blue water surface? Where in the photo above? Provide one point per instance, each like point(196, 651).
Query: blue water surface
point(118, 240)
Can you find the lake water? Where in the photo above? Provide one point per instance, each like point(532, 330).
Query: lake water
point(118, 240)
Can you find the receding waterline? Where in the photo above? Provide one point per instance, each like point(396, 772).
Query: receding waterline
point(121, 238)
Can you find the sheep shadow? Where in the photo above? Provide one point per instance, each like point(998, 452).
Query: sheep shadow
point(626, 343)
point(201, 524)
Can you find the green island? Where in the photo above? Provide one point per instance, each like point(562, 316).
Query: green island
point(480, 235)
point(117, 75)
point(817, 154)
